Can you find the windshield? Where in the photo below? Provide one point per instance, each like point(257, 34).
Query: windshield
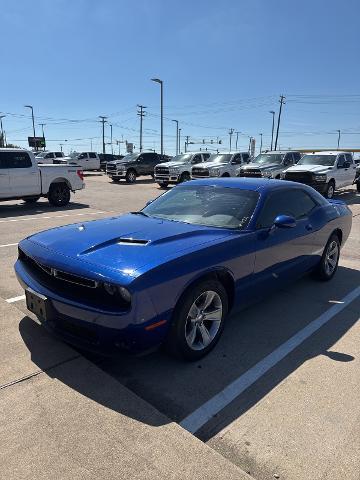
point(325, 160)
point(130, 157)
point(74, 154)
point(182, 158)
point(205, 205)
point(264, 158)
point(41, 154)
point(225, 158)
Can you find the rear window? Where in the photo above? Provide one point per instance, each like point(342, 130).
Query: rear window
point(15, 160)
point(92, 155)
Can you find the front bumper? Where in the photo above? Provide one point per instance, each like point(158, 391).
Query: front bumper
point(94, 330)
point(121, 174)
point(166, 178)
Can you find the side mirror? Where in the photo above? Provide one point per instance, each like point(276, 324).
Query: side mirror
point(347, 164)
point(284, 221)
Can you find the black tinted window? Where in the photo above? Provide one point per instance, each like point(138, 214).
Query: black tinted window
point(49, 155)
point(15, 160)
point(341, 161)
point(348, 158)
point(297, 156)
point(296, 203)
point(288, 160)
point(82, 156)
point(245, 157)
point(196, 159)
point(236, 160)
point(59, 154)
point(92, 155)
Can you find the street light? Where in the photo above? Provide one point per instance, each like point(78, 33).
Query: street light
point(2, 131)
point(33, 122)
point(272, 130)
point(111, 139)
point(338, 141)
point(179, 141)
point(177, 136)
point(157, 80)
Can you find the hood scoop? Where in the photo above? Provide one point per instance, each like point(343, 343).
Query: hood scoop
point(117, 241)
point(132, 241)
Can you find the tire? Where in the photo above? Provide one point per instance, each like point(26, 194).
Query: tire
point(188, 339)
point(163, 185)
point(225, 175)
point(330, 189)
point(31, 199)
point(185, 177)
point(358, 187)
point(329, 262)
point(59, 194)
point(130, 176)
point(116, 180)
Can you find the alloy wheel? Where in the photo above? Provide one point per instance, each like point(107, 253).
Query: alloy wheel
point(331, 257)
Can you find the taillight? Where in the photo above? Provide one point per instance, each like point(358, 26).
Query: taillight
point(80, 174)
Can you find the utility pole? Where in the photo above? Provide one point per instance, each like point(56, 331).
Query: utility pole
point(177, 136)
point(3, 143)
point(61, 145)
point(43, 134)
point(231, 131)
point(186, 142)
point(272, 130)
point(261, 135)
point(282, 101)
point(157, 80)
point(141, 114)
point(33, 123)
point(338, 141)
point(111, 139)
point(179, 141)
point(103, 120)
point(237, 138)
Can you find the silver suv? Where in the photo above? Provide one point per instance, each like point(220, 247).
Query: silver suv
point(179, 168)
point(270, 164)
point(221, 165)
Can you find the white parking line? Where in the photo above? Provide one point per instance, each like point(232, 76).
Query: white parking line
point(27, 219)
point(15, 299)
point(8, 245)
point(203, 414)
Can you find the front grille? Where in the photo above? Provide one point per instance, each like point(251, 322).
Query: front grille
point(200, 172)
point(73, 287)
point(251, 172)
point(302, 177)
point(111, 168)
point(162, 171)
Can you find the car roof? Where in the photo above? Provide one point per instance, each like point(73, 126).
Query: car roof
point(276, 152)
point(257, 184)
point(327, 152)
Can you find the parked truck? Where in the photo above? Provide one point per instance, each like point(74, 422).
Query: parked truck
point(22, 178)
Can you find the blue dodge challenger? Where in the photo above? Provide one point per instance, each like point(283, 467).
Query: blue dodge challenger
point(171, 273)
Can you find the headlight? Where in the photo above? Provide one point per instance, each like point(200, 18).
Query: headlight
point(215, 172)
point(173, 171)
point(112, 289)
point(320, 178)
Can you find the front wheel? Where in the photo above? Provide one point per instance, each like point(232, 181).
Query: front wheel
point(185, 177)
point(59, 194)
point(329, 260)
point(330, 189)
point(130, 176)
point(163, 185)
point(198, 320)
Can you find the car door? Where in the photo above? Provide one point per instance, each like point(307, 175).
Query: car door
point(235, 165)
point(24, 176)
point(142, 164)
point(4, 176)
point(153, 160)
point(341, 171)
point(351, 171)
point(94, 161)
point(284, 253)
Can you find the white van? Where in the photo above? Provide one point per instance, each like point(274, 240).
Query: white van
point(85, 160)
point(325, 171)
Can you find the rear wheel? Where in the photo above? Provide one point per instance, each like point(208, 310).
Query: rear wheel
point(185, 177)
point(31, 199)
point(198, 320)
point(130, 176)
point(59, 194)
point(330, 189)
point(329, 260)
point(163, 185)
point(225, 175)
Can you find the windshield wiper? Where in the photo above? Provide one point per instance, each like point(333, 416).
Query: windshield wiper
point(140, 213)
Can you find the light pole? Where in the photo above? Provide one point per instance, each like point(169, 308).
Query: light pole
point(237, 138)
point(338, 140)
point(260, 141)
point(103, 120)
point(179, 141)
point(111, 139)
point(272, 130)
point(157, 80)
point(2, 131)
point(177, 136)
point(33, 122)
point(231, 131)
point(42, 125)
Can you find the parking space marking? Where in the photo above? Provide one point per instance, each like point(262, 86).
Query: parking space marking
point(15, 299)
point(52, 216)
point(205, 412)
point(8, 245)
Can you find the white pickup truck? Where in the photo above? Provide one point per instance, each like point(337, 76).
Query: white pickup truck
point(221, 165)
point(22, 178)
point(325, 171)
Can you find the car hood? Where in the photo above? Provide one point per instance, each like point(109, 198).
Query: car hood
point(309, 168)
point(171, 164)
point(268, 166)
point(210, 164)
point(125, 244)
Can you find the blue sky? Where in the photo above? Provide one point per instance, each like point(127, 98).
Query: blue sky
point(224, 65)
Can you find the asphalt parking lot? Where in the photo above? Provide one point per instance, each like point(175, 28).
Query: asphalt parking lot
point(279, 394)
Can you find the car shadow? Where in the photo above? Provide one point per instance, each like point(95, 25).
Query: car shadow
point(349, 196)
point(141, 181)
point(176, 388)
point(19, 208)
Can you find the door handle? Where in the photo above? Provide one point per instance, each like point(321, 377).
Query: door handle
point(309, 227)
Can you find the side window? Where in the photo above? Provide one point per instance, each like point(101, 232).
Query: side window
point(288, 160)
point(297, 156)
point(59, 154)
point(3, 160)
point(92, 155)
point(349, 158)
point(245, 157)
point(49, 155)
point(18, 160)
point(205, 156)
point(82, 156)
point(340, 161)
point(236, 160)
point(196, 159)
point(295, 203)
